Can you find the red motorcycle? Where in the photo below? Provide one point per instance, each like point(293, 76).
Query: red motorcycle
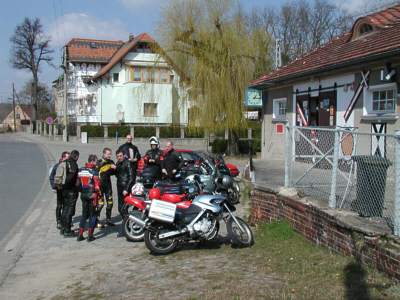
point(138, 206)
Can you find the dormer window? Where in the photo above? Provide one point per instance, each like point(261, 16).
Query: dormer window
point(365, 29)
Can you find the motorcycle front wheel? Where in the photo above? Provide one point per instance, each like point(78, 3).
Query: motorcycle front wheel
point(131, 230)
point(157, 246)
point(239, 237)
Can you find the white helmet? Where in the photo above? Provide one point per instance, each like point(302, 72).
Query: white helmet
point(154, 141)
point(138, 189)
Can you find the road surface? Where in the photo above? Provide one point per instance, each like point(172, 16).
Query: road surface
point(22, 173)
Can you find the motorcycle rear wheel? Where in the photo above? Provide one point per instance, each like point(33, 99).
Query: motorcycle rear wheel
point(239, 238)
point(131, 231)
point(157, 246)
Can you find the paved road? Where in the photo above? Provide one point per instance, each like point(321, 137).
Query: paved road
point(22, 172)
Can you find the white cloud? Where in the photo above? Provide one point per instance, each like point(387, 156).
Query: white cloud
point(85, 26)
point(360, 7)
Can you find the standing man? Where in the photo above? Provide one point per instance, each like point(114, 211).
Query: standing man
point(171, 161)
point(90, 193)
point(70, 193)
point(56, 185)
point(106, 169)
point(125, 176)
point(131, 152)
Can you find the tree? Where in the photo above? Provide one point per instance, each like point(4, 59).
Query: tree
point(211, 42)
point(29, 48)
point(24, 96)
point(301, 26)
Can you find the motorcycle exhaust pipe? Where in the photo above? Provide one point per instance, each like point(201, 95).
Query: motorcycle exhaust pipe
point(137, 221)
point(172, 234)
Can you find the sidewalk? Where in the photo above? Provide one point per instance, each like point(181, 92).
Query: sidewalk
point(49, 266)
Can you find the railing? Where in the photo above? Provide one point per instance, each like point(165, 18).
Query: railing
point(348, 169)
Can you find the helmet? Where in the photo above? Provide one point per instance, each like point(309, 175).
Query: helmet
point(154, 193)
point(154, 141)
point(227, 181)
point(138, 189)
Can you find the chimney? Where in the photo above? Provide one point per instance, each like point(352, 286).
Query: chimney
point(131, 36)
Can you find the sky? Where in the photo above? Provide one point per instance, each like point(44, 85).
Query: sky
point(102, 19)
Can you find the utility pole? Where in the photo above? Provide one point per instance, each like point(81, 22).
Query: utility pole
point(65, 131)
point(15, 122)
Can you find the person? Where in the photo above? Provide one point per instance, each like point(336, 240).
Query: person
point(69, 193)
point(131, 152)
point(125, 181)
point(171, 161)
point(152, 158)
point(57, 187)
point(90, 193)
point(106, 168)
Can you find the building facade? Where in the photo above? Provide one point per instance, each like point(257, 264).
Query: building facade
point(23, 114)
point(351, 82)
point(112, 82)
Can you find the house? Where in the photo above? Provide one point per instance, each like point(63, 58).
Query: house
point(351, 82)
point(23, 114)
point(114, 82)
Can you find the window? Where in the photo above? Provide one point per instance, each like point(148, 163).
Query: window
point(383, 101)
point(164, 76)
point(279, 108)
point(150, 110)
point(136, 74)
point(17, 116)
point(115, 77)
point(365, 28)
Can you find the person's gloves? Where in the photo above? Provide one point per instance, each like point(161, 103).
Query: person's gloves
point(164, 171)
point(173, 171)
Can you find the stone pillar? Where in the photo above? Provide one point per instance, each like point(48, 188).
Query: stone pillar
point(158, 132)
point(31, 127)
point(182, 132)
point(51, 129)
point(105, 131)
point(227, 134)
point(78, 132)
point(39, 127)
point(132, 131)
point(250, 133)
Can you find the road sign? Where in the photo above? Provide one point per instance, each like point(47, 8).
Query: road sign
point(49, 120)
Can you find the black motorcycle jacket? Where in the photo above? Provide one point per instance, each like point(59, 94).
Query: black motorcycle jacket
point(105, 173)
point(130, 151)
point(154, 154)
point(71, 176)
point(125, 175)
point(171, 161)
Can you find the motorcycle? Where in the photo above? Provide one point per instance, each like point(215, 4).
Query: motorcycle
point(168, 224)
point(137, 205)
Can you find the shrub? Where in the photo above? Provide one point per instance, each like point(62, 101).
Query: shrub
point(219, 146)
point(170, 132)
point(122, 131)
point(194, 132)
point(93, 131)
point(244, 146)
point(145, 132)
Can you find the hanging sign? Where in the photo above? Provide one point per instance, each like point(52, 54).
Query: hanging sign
point(253, 97)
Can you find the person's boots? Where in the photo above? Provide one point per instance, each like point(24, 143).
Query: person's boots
point(90, 235)
point(69, 233)
point(80, 236)
point(108, 218)
point(58, 224)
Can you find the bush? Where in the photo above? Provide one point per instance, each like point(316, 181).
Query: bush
point(93, 131)
point(145, 132)
point(122, 131)
point(194, 132)
point(244, 146)
point(219, 146)
point(170, 132)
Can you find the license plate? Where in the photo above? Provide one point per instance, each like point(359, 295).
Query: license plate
point(163, 211)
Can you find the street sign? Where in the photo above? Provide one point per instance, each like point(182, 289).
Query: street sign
point(49, 120)
point(253, 97)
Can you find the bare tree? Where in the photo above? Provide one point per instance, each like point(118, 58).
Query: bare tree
point(29, 48)
point(301, 26)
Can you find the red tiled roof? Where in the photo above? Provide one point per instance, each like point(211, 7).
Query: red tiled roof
point(90, 50)
point(344, 50)
point(122, 52)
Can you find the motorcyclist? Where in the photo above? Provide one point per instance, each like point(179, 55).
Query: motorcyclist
point(131, 152)
point(171, 161)
point(106, 167)
point(70, 193)
point(152, 158)
point(125, 177)
point(90, 193)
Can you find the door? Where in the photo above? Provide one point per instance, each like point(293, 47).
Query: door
point(327, 109)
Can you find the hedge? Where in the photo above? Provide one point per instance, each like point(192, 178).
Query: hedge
point(219, 146)
point(93, 131)
point(170, 132)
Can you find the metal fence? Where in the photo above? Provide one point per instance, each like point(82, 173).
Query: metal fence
point(349, 169)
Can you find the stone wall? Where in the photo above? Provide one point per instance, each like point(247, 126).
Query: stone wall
point(369, 240)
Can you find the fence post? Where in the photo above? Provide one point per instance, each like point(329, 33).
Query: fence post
point(288, 156)
point(332, 196)
point(397, 185)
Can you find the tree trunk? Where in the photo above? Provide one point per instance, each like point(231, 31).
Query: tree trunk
point(34, 100)
point(233, 142)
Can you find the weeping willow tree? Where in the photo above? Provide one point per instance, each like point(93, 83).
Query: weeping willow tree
point(211, 42)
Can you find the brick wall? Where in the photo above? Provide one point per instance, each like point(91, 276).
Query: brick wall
point(343, 232)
